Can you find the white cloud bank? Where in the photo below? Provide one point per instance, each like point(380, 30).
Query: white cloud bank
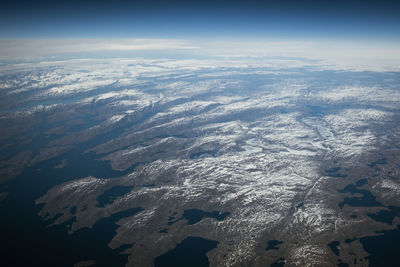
point(361, 55)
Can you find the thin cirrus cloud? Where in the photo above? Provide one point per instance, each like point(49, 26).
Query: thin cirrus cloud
point(50, 47)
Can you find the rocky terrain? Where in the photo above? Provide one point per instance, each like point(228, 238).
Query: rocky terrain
point(238, 151)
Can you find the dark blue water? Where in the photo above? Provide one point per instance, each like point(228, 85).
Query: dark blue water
point(109, 196)
point(365, 200)
point(386, 216)
point(298, 206)
point(334, 246)
point(383, 249)
point(195, 215)
point(378, 162)
point(361, 182)
point(190, 252)
point(23, 232)
point(272, 245)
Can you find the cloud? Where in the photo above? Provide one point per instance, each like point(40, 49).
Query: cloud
point(52, 47)
point(335, 54)
point(356, 55)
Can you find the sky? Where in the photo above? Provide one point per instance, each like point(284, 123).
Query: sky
point(352, 30)
point(285, 19)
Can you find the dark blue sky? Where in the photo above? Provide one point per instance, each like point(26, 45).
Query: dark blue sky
point(285, 19)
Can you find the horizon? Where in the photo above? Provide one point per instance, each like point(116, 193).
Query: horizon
point(358, 32)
